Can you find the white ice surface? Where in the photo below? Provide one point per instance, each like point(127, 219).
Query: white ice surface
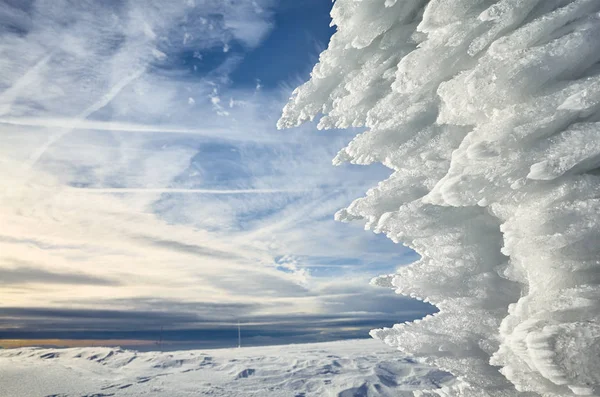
point(488, 114)
point(354, 368)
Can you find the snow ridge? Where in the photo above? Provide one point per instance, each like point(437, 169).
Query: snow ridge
point(321, 369)
point(488, 113)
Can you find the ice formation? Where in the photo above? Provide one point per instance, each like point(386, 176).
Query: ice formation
point(488, 113)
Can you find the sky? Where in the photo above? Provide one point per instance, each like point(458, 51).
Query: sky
point(143, 184)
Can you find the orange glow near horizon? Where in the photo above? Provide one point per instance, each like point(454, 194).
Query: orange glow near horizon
point(16, 343)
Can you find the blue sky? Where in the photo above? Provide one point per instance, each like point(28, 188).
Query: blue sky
point(144, 184)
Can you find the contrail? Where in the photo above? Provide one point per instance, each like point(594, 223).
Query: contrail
point(73, 124)
point(10, 95)
point(176, 190)
point(105, 100)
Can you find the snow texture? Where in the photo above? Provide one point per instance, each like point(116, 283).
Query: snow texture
point(488, 113)
point(355, 368)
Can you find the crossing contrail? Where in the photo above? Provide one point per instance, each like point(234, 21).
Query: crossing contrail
point(180, 191)
point(74, 124)
point(99, 104)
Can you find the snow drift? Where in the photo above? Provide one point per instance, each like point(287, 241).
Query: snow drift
point(348, 368)
point(488, 113)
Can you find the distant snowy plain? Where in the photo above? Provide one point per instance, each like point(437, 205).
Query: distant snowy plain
point(344, 369)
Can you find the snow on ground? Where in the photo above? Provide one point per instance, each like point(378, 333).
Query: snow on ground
point(344, 369)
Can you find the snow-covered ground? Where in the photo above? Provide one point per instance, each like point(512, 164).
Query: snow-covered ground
point(346, 368)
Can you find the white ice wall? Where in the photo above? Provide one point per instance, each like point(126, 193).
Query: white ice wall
point(488, 112)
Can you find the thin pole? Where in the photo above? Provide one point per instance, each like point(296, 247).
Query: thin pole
point(239, 336)
point(160, 340)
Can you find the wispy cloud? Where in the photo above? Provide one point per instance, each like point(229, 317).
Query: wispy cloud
point(132, 169)
point(23, 273)
point(174, 190)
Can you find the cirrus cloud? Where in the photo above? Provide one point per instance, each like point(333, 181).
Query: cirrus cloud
point(134, 171)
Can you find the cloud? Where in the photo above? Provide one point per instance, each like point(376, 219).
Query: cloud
point(184, 191)
point(217, 131)
point(27, 273)
point(196, 324)
point(113, 182)
point(196, 250)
